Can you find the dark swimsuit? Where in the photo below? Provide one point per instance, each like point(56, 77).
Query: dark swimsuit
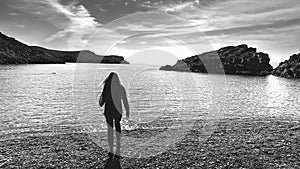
point(111, 112)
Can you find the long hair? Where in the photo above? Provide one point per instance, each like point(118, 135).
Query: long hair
point(110, 83)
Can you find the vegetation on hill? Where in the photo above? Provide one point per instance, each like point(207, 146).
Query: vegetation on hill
point(15, 52)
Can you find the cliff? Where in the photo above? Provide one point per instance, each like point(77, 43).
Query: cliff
point(242, 60)
point(15, 52)
point(289, 68)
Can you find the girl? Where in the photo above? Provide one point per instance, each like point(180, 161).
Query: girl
point(112, 96)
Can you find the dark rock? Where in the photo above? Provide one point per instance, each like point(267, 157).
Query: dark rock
point(289, 68)
point(179, 66)
point(297, 73)
point(242, 60)
point(287, 73)
point(15, 52)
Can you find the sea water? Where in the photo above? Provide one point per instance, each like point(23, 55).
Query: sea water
point(61, 98)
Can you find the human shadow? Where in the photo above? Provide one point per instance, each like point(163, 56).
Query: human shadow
point(113, 162)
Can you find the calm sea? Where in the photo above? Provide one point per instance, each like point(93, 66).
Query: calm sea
point(51, 99)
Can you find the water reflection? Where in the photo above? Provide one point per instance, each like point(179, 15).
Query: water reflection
point(282, 96)
point(34, 99)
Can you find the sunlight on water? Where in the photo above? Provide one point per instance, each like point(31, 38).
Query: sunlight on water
point(51, 99)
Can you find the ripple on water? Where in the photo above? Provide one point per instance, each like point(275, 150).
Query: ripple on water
point(36, 100)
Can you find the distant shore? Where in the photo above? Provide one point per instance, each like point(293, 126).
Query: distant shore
point(239, 60)
point(236, 60)
point(14, 52)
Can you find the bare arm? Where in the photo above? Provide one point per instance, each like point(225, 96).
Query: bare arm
point(125, 102)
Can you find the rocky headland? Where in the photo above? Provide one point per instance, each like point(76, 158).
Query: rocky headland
point(240, 60)
point(14, 52)
point(289, 68)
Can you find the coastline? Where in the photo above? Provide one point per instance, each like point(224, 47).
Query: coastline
point(237, 142)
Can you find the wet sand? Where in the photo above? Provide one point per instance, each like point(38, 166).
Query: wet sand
point(254, 142)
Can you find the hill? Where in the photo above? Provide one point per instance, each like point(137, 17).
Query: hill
point(241, 60)
point(14, 52)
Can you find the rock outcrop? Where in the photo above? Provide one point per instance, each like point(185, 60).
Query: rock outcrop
point(15, 52)
point(289, 68)
point(179, 66)
point(241, 60)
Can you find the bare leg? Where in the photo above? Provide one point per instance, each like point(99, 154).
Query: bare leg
point(110, 136)
point(118, 136)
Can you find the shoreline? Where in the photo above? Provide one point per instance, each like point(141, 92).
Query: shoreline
point(251, 142)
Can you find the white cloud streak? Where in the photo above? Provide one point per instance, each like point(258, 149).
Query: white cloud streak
point(13, 14)
point(73, 19)
point(223, 22)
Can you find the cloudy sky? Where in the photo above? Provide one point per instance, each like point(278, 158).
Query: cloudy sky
point(178, 27)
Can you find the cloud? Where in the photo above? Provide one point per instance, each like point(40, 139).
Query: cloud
point(21, 26)
point(177, 5)
point(222, 21)
point(241, 19)
point(72, 18)
point(13, 14)
point(80, 24)
point(265, 28)
point(99, 6)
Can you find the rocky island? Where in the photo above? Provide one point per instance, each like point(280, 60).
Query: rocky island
point(14, 52)
point(289, 68)
point(240, 60)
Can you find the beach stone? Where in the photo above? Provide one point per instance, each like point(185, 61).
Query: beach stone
point(296, 128)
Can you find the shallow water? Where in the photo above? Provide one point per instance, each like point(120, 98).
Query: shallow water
point(51, 99)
